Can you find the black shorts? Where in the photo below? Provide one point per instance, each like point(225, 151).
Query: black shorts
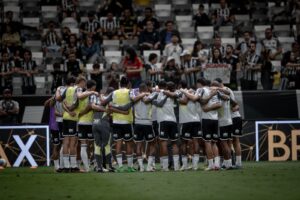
point(122, 132)
point(210, 129)
point(226, 132)
point(168, 130)
point(191, 130)
point(69, 128)
point(237, 126)
point(143, 133)
point(55, 139)
point(155, 128)
point(85, 132)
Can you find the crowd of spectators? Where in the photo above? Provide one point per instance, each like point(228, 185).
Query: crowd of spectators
point(250, 60)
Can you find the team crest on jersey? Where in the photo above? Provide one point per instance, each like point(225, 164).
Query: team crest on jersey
point(79, 134)
point(215, 135)
point(150, 136)
point(135, 136)
point(237, 131)
point(208, 136)
point(176, 135)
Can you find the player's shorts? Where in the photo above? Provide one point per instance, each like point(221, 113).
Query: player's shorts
point(85, 132)
point(168, 130)
point(237, 127)
point(143, 133)
point(122, 132)
point(210, 129)
point(191, 130)
point(69, 128)
point(55, 137)
point(226, 132)
point(155, 128)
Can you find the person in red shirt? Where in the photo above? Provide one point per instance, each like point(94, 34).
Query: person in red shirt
point(133, 67)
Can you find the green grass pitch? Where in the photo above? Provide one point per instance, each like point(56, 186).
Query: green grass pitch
point(263, 180)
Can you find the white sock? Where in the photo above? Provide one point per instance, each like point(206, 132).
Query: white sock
point(185, 162)
point(56, 164)
point(84, 156)
point(140, 161)
point(210, 163)
point(229, 163)
point(150, 161)
point(161, 162)
point(119, 160)
point(61, 158)
point(217, 161)
point(165, 162)
point(238, 160)
point(195, 161)
point(66, 159)
point(225, 163)
point(130, 160)
point(176, 162)
point(73, 161)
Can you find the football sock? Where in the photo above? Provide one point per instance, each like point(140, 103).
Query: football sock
point(238, 160)
point(195, 161)
point(185, 162)
point(66, 161)
point(176, 162)
point(61, 158)
point(73, 161)
point(217, 161)
point(165, 162)
point(130, 160)
point(140, 161)
point(84, 156)
point(210, 163)
point(56, 164)
point(150, 161)
point(119, 160)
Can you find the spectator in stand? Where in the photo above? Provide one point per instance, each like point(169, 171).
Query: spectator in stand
point(28, 71)
point(148, 16)
point(271, 44)
point(112, 81)
point(110, 27)
point(166, 34)
point(73, 66)
point(128, 25)
point(51, 39)
point(110, 6)
point(222, 16)
point(191, 68)
point(96, 75)
point(295, 50)
point(133, 67)
point(217, 45)
point(11, 39)
point(199, 53)
point(149, 38)
point(277, 13)
point(69, 8)
point(72, 46)
point(267, 78)
point(152, 69)
point(251, 69)
point(66, 32)
point(173, 49)
point(7, 68)
point(9, 109)
point(201, 18)
point(217, 57)
point(233, 61)
point(90, 51)
point(91, 28)
point(59, 77)
point(172, 71)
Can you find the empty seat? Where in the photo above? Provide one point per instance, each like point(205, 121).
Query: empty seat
point(286, 43)
point(49, 12)
point(113, 57)
point(10, 2)
point(31, 21)
point(231, 41)
point(34, 45)
point(282, 30)
point(260, 30)
point(184, 21)
point(163, 10)
point(33, 114)
point(111, 45)
point(69, 22)
point(38, 58)
point(188, 43)
point(205, 33)
point(188, 32)
point(226, 31)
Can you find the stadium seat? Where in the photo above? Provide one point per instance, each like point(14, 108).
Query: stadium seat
point(31, 3)
point(111, 45)
point(214, 6)
point(163, 10)
point(188, 43)
point(40, 82)
point(69, 22)
point(180, 2)
point(34, 45)
point(205, 33)
point(184, 21)
point(112, 57)
point(75, 31)
point(31, 21)
point(226, 31)
point(147, 53)
point(282, 30)
point(188, 32)
point(231, 41)
point(286, 43)
point(11, 2)
point(49, 12)
point(260, 30)
point(49, 67)
point(84, 19)
point(38, 58)
point(15, 10)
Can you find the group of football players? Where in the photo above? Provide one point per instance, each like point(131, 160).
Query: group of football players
point(171, 123)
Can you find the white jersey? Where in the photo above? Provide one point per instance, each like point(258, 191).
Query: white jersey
point(188, 113)
point(142, 111)
point(166, 112)
point(213, 115)
point(236, 113)
point(59, 109)
point(224, 114)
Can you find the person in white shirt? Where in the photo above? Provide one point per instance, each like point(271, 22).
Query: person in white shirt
point(174, 49)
